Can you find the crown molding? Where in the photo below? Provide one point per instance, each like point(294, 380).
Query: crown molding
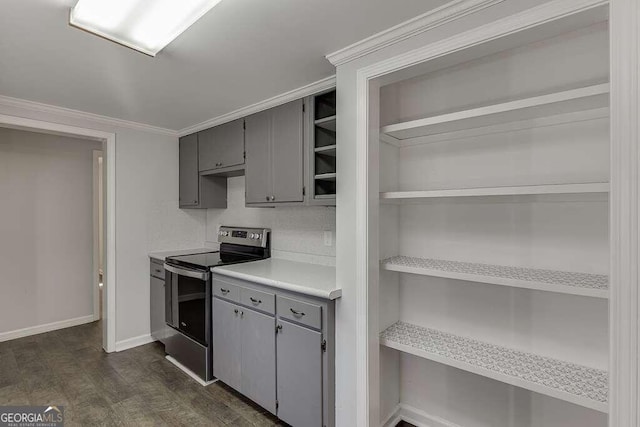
point(292, 95)
point(7, 101)
point(451, 11)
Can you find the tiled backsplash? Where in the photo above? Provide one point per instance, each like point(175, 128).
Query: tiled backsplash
point(297, 232)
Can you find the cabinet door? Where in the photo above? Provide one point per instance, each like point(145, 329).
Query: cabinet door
point(259, 358)
point(188, 175)
point(221, 146)
point(208, 151)
point(227, 344)
point(230, 140)
point(299, 363)
point(287, 152)
point(158, 324)
point(258, 162)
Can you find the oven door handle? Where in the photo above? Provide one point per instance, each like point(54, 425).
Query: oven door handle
point(200, 275)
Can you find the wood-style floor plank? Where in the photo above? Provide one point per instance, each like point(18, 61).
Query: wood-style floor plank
point(136, 387)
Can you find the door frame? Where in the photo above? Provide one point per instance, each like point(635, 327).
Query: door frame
point(97, 193)
point(624, 302)
point(109, 145)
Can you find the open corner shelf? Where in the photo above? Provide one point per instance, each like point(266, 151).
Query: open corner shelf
point(328, 123)
point(328, 150)
point(581, 99)
point(326, 177)
point(531, 190)
point(567, 381)
point(584, 284)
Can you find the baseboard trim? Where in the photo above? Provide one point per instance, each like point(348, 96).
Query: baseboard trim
point(417, 417)
point(189, 372)
point(133, 342)
point(48, 327)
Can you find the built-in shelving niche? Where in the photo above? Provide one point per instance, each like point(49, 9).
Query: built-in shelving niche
point(324, 146)
point(493, 232)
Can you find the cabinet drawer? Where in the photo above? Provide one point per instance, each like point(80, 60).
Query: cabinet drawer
point(156, 270)
point(300, 312)
point(259, 300)
point(226, 290)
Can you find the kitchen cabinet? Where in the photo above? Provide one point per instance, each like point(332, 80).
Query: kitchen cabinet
point(299, 378)
point(157, 307)
point(221, 146)
point(189, 176)
point(227, 341)
point(274, 143)
point(244, 351)
point(258, 358)
point(277, 348)
point(197, 191)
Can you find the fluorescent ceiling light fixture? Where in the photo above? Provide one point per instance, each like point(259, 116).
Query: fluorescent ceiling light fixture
point(145, 25)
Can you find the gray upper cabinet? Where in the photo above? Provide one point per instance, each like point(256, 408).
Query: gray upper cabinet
point(258, 162)
point(274, 143)
point(189, 177)
point(197, 191)
point(299, 380)
point(221, 146)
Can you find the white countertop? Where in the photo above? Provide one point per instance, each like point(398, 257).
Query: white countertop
point(162, 255)
point(305, 278)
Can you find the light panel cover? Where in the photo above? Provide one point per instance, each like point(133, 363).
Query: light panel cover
point(145, 25)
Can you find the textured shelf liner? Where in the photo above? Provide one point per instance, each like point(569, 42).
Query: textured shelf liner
point(553, 277)
point(575, 379)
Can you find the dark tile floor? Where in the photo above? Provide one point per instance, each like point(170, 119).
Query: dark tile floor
point(134, 387)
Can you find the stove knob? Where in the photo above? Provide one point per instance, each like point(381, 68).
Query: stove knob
point(257, 236)
point(251, 236)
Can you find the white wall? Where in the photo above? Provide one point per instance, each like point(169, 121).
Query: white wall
point(297, 232)
point(346, 360)
point(46, 226)
point(147, 214)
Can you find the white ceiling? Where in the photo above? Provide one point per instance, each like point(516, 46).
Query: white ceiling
point(241, 52)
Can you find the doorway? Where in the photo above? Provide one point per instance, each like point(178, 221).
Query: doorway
point(109, 266)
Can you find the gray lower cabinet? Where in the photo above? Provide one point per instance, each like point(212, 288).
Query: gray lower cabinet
point(221, 146)
point(299, 359)
point(244, 352)
point(259, 358)
point(277, 348)
point(227, 343)
point(274, 143)
point(157, 308)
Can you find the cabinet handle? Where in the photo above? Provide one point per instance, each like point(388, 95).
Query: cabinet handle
point(267, 198)
point(235, 311)
point(242, 314)
point(224, 291)
point(278, 328)
point(273, 198)
point(255, 301)
point(296, 313)
point(158, 271)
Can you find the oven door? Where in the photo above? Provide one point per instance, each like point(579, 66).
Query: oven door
point(188, 307)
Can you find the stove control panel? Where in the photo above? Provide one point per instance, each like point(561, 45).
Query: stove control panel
point(257, 237)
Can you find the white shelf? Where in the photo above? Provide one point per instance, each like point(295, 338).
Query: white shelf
point(329, 150)
point(585, 98)
point(326, 177)
point(590, 285)
point(573, 383)
point(592, 187)
point(328, 123)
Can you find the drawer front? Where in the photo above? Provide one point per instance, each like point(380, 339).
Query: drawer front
point(157, 270)
point(226, 290)
point(258, 300)
point(300, 312)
